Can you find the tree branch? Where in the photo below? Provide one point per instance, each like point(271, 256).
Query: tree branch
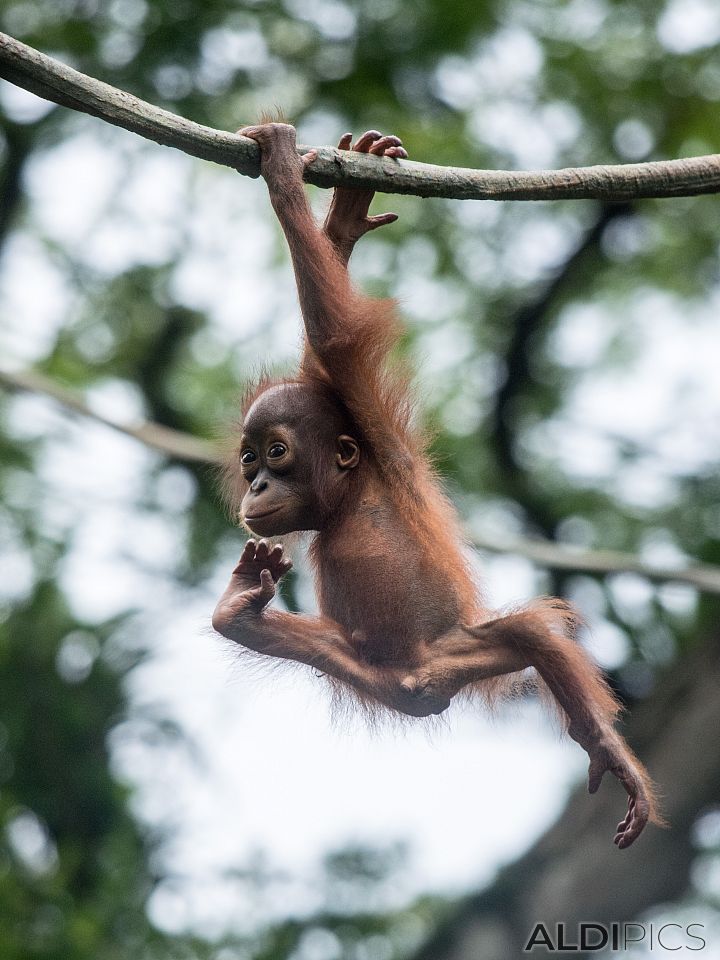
point(548, 554)
point(173, 443)
point(544, 553)
point(59, 83)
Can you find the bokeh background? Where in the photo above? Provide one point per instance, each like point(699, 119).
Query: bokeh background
point(158, 799)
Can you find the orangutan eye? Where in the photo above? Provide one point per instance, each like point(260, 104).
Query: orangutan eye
point(247, 456)
point(277, 450)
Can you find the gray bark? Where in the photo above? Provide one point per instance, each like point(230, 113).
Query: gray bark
point(61, 84)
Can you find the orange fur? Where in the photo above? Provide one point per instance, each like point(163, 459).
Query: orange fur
point(402, 625)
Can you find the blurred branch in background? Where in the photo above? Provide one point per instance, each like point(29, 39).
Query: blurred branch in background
point(173, 443)
point(182, 446)
point(48, 78)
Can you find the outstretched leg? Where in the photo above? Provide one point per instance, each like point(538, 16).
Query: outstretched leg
point(542, 636)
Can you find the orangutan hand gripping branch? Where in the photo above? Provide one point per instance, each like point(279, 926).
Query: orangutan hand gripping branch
point(333, 450)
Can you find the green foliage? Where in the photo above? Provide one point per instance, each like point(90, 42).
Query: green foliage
point(72, 876)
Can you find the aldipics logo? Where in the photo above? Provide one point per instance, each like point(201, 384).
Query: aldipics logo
point(618, 936)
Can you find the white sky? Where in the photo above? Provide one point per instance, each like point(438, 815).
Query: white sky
point(269, 773)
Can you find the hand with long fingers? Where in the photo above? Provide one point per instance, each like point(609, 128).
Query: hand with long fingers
point(279, 159)
point(347, 219)
point(258, 570)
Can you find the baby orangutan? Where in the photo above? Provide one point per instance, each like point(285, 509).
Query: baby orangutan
point(333, 450)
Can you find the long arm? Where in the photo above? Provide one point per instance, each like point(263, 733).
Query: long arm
point(348, 334)
point(242, 615)
point(324, 288)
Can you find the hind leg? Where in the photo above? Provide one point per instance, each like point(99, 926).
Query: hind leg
point(455, 660)
point(542, 636)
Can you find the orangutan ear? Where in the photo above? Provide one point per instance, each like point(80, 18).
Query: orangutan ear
point(348, 455)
